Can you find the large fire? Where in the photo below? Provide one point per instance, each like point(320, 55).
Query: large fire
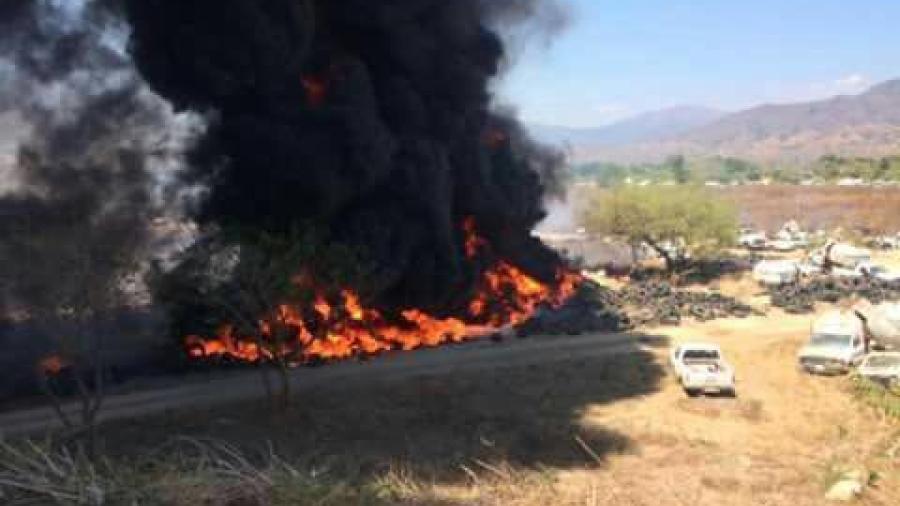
point(345, 328)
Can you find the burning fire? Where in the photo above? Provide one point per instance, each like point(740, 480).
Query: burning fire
point(52, 365)
point(494, 138)
point(345, 328)
point(316, 89)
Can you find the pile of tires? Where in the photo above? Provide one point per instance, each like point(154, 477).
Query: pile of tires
point(799, 298)
point(659, 303)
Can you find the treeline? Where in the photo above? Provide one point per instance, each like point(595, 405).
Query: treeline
point(729, 170)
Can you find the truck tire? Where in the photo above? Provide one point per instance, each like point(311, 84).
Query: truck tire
point(691, 392)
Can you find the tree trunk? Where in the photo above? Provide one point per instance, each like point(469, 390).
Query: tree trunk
point(667, 258)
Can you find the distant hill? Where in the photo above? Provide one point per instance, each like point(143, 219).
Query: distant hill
point(651, 126)
point(861, 125)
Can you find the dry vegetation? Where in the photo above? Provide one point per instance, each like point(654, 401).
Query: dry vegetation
point(818, 207)
point(568, 429)
point(876, 209)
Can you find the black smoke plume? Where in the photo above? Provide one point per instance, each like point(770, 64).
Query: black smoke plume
point(371, 120)
point(96, 143)
point(93, 146)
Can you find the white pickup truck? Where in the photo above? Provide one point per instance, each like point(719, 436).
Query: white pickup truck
point(836, 344)
point(700, 368)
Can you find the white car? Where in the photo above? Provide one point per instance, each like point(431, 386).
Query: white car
point(874, 270)
point(809, 269)
point(883, 273)
point(700, 368)
point(752, 240)
point(776, 272)
point(836, 344)
point(783, 245)
point(881, 368)
point(886, 242)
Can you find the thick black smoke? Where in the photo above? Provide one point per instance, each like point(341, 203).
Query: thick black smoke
point(85, 181)
point(371, 120)
point(86, 148)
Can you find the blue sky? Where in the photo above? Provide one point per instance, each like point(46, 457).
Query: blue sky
point(621, 57)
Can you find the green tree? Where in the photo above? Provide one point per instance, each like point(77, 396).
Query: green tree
point(678, 166)
point(674, 221)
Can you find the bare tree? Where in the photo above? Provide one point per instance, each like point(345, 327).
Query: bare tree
point(70, 267)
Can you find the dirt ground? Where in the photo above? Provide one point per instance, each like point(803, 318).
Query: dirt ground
point(577, 429)
point(782, 441)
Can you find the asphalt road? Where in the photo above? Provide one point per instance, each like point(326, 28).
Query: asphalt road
point(246, 385)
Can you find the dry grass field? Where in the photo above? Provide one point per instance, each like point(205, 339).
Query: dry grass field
point(818, 207)
point(562, 429)
point(565, 423)
point(876, 209)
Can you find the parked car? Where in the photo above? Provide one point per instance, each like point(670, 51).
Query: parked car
point(863, 269)
point(776, 272)
point(783, 245)
point(883, 368)
point(836, 344)
point(752, 240)
point(809, 269)
point(886, 242)
point(700, 368)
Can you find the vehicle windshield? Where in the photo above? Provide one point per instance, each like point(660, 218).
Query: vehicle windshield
point(700, 355)
point(830, 340)
point(883, 361)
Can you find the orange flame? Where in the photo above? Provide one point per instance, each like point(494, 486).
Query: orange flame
point(473, 242)
point(494, 138)
point(507, 296)
point(52, 365)
point(316, 89)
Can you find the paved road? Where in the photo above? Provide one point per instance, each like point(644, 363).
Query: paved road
point(247, 386)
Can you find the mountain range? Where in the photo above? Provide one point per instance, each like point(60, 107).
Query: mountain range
point(867, 124)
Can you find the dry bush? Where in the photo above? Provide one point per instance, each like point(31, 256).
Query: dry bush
point(184, 472)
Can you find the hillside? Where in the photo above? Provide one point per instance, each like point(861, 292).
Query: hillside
point(647, 127)
point(862, 125)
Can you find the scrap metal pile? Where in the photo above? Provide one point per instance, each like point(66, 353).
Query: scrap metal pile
point(800, 298)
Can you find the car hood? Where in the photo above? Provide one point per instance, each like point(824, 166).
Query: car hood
point(817, 351)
